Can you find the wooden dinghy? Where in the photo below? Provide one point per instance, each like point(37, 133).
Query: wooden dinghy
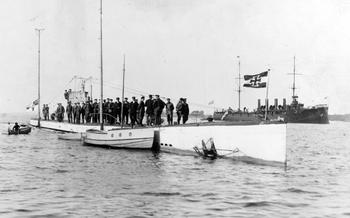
point(71, 136)
point(141, 138)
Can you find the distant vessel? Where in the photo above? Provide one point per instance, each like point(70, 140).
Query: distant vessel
point(293, 113)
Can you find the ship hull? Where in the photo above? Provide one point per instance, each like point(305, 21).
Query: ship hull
point(309, 115)
point(244, 141)
point(266, 142)
point(317, 115)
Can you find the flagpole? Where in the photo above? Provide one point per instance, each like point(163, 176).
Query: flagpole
point(39, 31)
point(239, 84)
point(122, 113)
point(101, 68)
point(267, 93)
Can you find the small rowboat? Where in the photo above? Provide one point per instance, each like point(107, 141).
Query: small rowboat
point(71, 136)
point(23, 129)
point(141, 138)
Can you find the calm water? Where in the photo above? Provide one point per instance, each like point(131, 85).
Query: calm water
point(43, 176)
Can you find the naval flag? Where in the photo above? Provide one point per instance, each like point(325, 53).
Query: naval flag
point(33, 104)
point(36, 102)
point(255, 81)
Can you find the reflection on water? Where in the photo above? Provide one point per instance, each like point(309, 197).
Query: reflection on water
point(43, 176)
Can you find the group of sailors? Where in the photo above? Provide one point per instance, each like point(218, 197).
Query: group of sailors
point(129, 113)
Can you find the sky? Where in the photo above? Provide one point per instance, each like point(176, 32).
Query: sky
point(182, 48)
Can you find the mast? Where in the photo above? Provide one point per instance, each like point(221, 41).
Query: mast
point(39, 31)
point(239, 84)
point(267, 93)
point(293, 88)
point(122, 118)
point(101, 67)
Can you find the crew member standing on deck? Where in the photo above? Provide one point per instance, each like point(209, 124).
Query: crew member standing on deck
point(47, 111)
point(133, 111)
point(110, 111)
point(82, 112)
point(74, 108)
point(185, 111)
point(66, 95)
point(104, 110)
point(141, 111)
point(88, 109)
point(77, 113)
point(117, 110)
point(60, 112)
point(95, 111)
point(126, 111)
point(149, 110)
point(169, 111)
point(69, 111)
point(44, 111)
point(158, 107)
point(179, 110)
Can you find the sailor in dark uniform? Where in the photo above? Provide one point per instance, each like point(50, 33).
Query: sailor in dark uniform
point(169, 111)
point(66, 95)
point(69, 110)
point(88, 111)
point(104, 110)
point(185, 111)
point(111, 119)
point(60, 112)
point(95, 110)
point(133, 111)
point(149, 110)
point(44, 111)
point(141, 111)
point(82, 112)
point(126, 111)
point(117, 110)
point(47, 111)
point(158, 106)
point(77, 113)
point(179, 110)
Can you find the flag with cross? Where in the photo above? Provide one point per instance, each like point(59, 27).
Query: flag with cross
point(256, 80)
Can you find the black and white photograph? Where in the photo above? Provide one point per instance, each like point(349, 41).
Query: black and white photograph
point(175, 108)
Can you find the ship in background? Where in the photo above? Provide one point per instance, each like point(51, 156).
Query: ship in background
point(292, 113)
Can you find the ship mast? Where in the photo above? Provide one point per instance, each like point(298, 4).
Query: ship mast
point(39, 31)
point(239, 84)
point(122, 115)
point(293, 88)
point(101, 67)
